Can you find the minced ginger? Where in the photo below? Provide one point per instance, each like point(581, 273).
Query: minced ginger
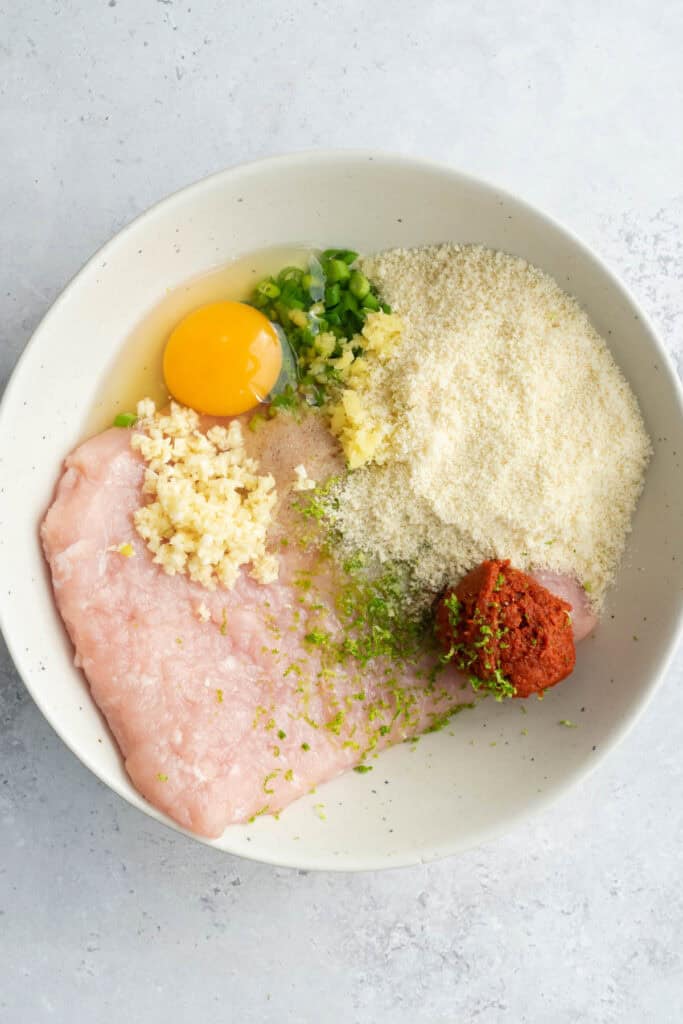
point(362, 434)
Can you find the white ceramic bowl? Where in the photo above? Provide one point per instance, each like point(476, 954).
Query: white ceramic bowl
point(457, 787)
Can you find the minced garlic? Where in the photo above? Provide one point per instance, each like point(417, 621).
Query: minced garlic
point(210, 509)
point(303, 481)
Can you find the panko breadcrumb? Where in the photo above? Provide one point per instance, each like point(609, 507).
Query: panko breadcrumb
point(510, 431)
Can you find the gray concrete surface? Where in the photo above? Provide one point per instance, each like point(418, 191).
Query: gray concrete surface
point(105, 106)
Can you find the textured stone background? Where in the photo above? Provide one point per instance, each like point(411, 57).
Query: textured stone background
point(106, 105)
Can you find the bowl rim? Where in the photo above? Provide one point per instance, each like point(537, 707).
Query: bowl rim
point(327, 156)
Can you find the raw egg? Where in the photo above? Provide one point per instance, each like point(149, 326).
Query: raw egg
point(222, 359)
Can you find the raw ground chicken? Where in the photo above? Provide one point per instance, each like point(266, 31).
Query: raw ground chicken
point(214, 697)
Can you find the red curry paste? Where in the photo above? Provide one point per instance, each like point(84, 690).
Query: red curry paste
point(510, 634)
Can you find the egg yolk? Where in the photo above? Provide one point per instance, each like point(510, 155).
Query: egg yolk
point(222, 359)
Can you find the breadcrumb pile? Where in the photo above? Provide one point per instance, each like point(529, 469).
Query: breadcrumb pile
point(509, 431)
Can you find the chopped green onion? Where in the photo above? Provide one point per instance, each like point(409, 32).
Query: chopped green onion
point(359, 284)
point(349, 302)
point(268, 289)
point(332, 295)
point(290, 274)
point(125, 419)
point(328, 296)
point(256, 421)
point(347, 256)
point(285, 400)
point(337, 270)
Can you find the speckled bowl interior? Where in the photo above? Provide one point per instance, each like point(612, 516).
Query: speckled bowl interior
point(495, 765)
